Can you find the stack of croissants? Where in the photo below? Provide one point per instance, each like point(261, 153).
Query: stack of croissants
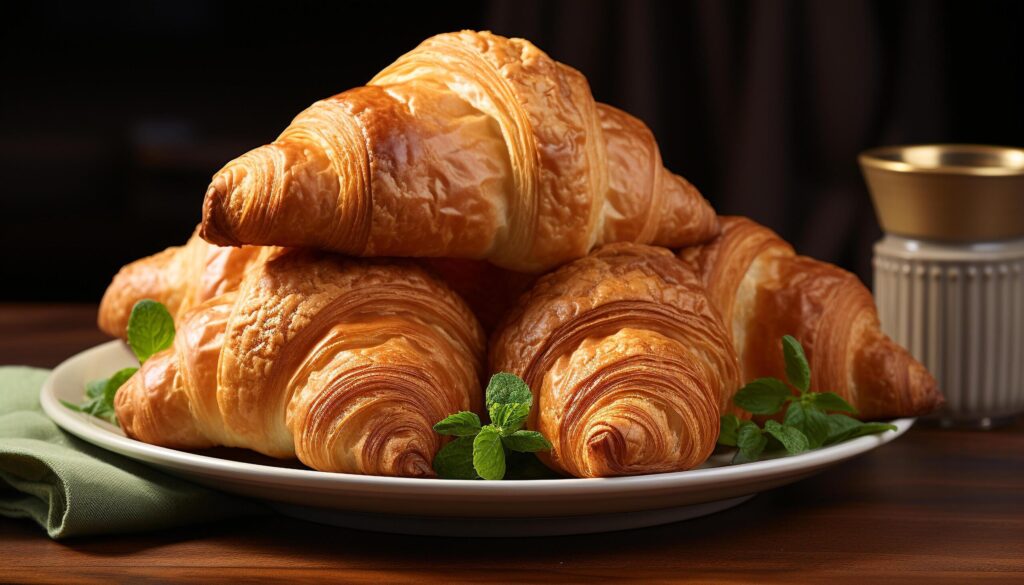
point(473, 210)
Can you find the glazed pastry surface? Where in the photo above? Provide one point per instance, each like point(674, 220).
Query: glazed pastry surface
point(472, 145)
point(180, 277)
point(344, 364)
point(629, 363)
point(765, 290)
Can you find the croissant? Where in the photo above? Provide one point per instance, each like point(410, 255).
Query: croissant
point(629, 363)
point(180, 277)
point(765, 291)
point(470, 146)
point(344, 364)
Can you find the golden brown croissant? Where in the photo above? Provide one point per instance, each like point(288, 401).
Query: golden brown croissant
point(470, 146)
point(180, 277)
point(765, 291)
point(628, 361)
point(344, 364)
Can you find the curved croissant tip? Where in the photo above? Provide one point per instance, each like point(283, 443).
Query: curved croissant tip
point(415, 464)
point(215, 228)
point(929, 398)
point(608, 452)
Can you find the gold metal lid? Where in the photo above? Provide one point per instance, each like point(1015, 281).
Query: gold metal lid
point(947, 192)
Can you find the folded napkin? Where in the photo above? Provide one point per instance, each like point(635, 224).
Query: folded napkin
point(72, 488)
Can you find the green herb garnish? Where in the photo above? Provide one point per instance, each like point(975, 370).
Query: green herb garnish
point(100, 396)
point(484, 451)
point(150, 330)
point(812, 419)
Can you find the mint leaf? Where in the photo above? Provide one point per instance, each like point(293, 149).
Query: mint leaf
point(105, 407)
point(488, 454)
point(98, 408)
point(105, 413)
point(526, 442)
point(792, 439)
point(832, 401)
point(815, 428)
point(751, 442)
point(150, 329)
point(95, 388)
point(728, 427)
point(101, 393)
point(480, 451)
point(460, 424)
point(762, 396)
point(509, 417)
point(115, 382)
point(506, 388)
point(809, 420)
point(860, 430)
point(839, 425)
point(73, 407)
point(455, 460)
point(526, 466)
point(508, 402)
point(870, 428)
point(806, 423)
point(798, 371)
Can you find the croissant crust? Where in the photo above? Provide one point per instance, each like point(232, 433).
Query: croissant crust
point(629, 363)
point(180, 277)
point(345, 365)
point(470, 146)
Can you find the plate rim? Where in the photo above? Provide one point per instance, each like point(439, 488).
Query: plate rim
point(91, 432)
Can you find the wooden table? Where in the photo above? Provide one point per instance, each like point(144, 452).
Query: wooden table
point(935, 506)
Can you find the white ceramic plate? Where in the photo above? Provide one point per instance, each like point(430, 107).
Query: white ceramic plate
point(444, 507)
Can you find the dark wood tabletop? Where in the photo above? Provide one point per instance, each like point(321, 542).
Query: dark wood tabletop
point(934, 506)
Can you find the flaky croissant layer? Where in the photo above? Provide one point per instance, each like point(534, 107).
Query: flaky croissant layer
point(470, 146)
point(345, 365)
point(180, 277)
point(629, 363)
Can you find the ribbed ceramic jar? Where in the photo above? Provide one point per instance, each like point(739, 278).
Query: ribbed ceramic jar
point(960, 310)
point(949, 273)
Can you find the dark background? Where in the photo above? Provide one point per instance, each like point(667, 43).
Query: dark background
point(113, 117)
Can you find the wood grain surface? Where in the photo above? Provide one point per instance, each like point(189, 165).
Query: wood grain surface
point(935, 506)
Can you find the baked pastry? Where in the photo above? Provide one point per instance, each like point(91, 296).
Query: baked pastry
point(344, 364)
point(764, 291)
point(628, 361)
point(470, 146)
point(180, 277)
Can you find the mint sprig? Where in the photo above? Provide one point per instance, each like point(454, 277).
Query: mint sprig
point(751, 441)
point(489, 454)
point(150, 330)
point(460, 424)
point(812, 419)
point(763, 396)
point(798, 371)
point(485, 451)
point(100, 396)
point(455, 460)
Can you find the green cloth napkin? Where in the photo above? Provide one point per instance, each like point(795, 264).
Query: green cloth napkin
point(72, 488)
